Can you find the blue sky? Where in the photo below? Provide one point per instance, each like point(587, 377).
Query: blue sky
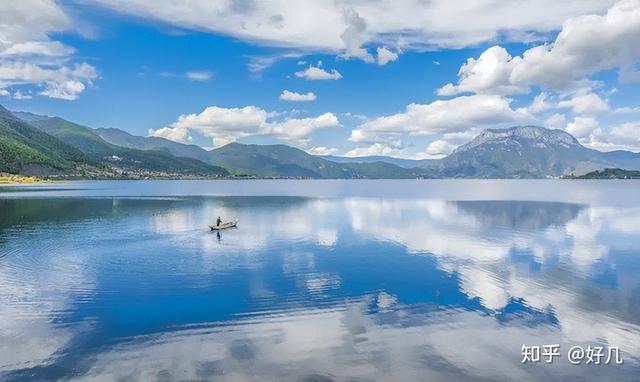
point(360, 80)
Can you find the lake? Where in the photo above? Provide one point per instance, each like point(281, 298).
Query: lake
point(322, 280)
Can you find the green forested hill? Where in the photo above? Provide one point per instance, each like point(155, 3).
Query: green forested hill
point(609, 173)
point(124, 139)
point(99, 151)
point(26, 149)
point(276, 160)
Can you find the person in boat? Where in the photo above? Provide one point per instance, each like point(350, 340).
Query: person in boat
point(218, 222)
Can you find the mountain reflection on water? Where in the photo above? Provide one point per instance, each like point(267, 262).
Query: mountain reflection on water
point(314, 288)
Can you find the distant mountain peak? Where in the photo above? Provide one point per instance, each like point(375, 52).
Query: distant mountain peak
point(536, 134)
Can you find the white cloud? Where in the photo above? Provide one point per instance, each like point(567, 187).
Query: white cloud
point(442, 116)
point(489, 74)
point(440, 148)
point(376, 149)
point(627, 110)
point(540, 103)
point(297, 97)
point(40, 48)
point(29, 57)
point(199, 76)
point(173, 134)
point(322, 150)
point(26, 26)
point(58, 82)
point(628, 132)
point(257, 64)
point(588, 103)
point(222, 124)
point(625, 136)
point(300, 129)
point(582, 127)
point(19, 95)
point(448, 142)
point(556, 121)
point(317, 73)
point(385, 56)
point(581, 103)
point(586, 45)
point(354, 36)
point(225, 125)
point(346, 26)
point(68, 90)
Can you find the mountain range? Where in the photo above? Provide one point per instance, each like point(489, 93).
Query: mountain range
point(95, 155)
point(34, 144)
point(400, 162)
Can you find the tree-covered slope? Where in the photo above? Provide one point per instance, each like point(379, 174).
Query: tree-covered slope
point(609, 173)
point(276, 160)
point(124, 139)
point(24, 148)
point(99, 151)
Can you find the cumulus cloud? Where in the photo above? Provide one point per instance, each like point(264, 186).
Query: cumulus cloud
point(585, 45)
point(588, 103)
point(26, 27)
point(354, 36)
point(300, 129)
point(440, 148)
point(448, 142)
point(316, 73)
point(225, 125)
point(379, 148)
point(541, 103)
point(580, 102)
point(180, 135)
point(350, 25)
point(489, 74)
point(322, 150)
point(625, 136)
point(556, 121)
point(587, 129)
point(443, 116)
point(627, 131)
point(63, 82)
point(582, 127)
point(385, 56)
point(297, 97)
point(29, 57)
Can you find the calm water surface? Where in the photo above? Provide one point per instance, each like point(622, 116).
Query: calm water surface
point(322, 280)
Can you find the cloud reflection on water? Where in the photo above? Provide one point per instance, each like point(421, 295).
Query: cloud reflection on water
point(548, 258)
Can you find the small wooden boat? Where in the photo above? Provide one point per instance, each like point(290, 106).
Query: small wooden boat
point(231, 224)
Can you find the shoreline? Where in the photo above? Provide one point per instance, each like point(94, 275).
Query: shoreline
point(28, 180)
point(8, 179)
